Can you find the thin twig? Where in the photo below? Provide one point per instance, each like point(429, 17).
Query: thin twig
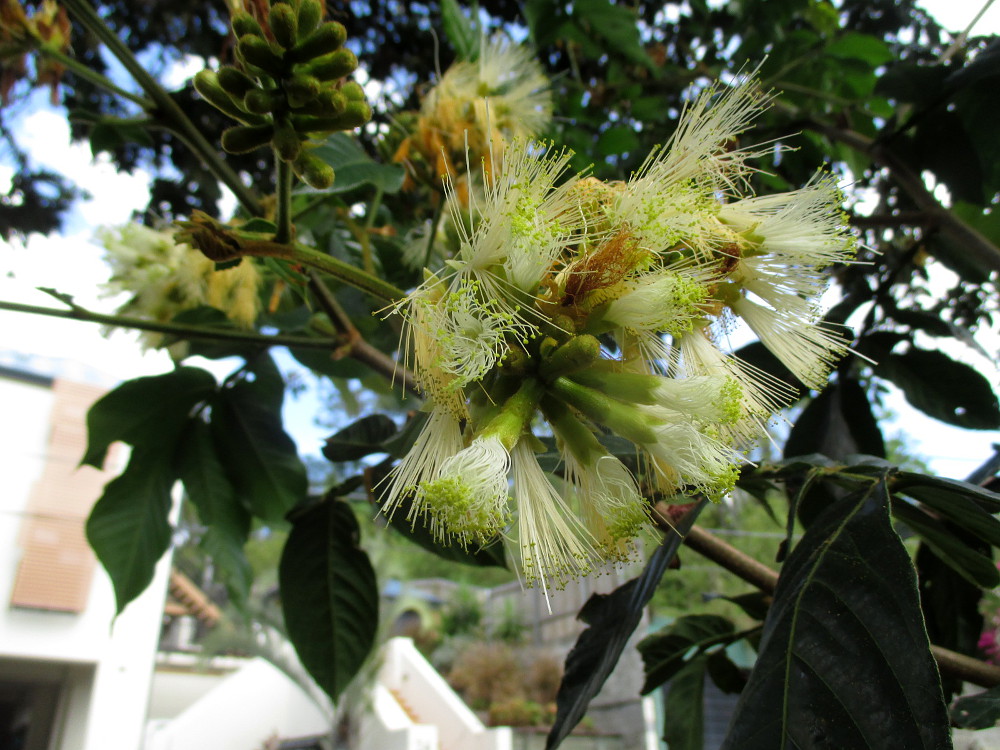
point(182, 331)
point(754, 572)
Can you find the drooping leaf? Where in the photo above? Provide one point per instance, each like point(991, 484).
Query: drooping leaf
point(974, 566)
point(943, 388)
point(931, 489)
point(354, 168)
point(667, 652)
point(219, 508)
point(259, 457)
point(145, 412)
point(128, 527)
point(978, 711)
point(684, 707)
point(844, 659)
point(360, 438)
point(950, 605)
point(328, 594)
point(612, 619)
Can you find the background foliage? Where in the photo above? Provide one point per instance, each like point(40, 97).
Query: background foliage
point(876, 91)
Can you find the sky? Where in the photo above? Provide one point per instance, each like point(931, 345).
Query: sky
point(72, 263)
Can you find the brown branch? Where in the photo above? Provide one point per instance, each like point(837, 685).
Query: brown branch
point(352, 343)
point(754, 572)
point(974, 242)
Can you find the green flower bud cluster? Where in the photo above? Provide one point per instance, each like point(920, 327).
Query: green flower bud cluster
point(600, 310)
point(288, 86)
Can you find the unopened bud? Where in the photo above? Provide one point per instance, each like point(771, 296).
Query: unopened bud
point(287, 143)
point(312, 170)
point(235, 82)
point(324, 40)
point(301, 89)
point(334, 65)
point(206, 83)
point(244, 23)
point(284, 24)
point(257, 52)
point(261, 101)
point(243, 139)
point(310, 13)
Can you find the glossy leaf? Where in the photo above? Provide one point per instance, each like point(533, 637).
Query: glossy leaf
point(942, 489)
point(667, 652)
point(977, 711)
point(219, 508)
point(943, 388)
point(684, 708)
point(129, 528)
point(844, 659)
point(328, 594)
point(145, 412)
point(974, 566)
point(360, 438)
point(354, 168)
point(260, 459)
point(612, 618)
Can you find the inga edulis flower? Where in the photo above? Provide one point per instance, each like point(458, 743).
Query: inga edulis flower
point(588, 313)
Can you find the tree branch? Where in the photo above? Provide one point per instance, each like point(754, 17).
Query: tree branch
point(975, 243)
point(765, 579)
point(183, 331)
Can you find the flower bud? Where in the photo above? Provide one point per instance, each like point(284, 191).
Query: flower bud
point(353, 92)
point(333, 66)
point(312, 170)
point(253, 50)
point(243, 139)
point(262, 101)
point(301, 89)
point(576, 354)
point(284, 24)
point(235, 81)
point(328, 102)
point(244, 23)
point(207, 84)
point(310, 13)
point(354, 115)
point(327, 38)
point(287, 143)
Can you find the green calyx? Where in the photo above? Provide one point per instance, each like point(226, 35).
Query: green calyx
point(576, 354)
point(514, 416)
point(620, 417)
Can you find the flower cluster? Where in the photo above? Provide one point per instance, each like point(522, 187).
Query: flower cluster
point(165, 278)
point(597, 309)
point(479, 106)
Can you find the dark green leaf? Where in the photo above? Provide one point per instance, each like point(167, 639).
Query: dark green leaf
point(844, 659)
point(619, 139)
point(328, 595)
point(111, 134)
point(355, 168)
point(919, 486)
point(665, 653)
point(725, 674)
point(145, 412)
point(943, 388)
point(214, 496)
point(979, 711)
point(614, 24)
point(360, 439)
point(950, 605)
point(962, 511)
point(860, 47)
point(460, 30)
point(129, 527)
point(974, 566)
point(612, 619)
point(260, 459)
point(324, 363)
point(684, 708)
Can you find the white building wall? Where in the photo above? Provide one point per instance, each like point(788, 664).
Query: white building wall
point(108, 663)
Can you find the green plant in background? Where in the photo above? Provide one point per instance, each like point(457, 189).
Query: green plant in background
point(566, 327)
